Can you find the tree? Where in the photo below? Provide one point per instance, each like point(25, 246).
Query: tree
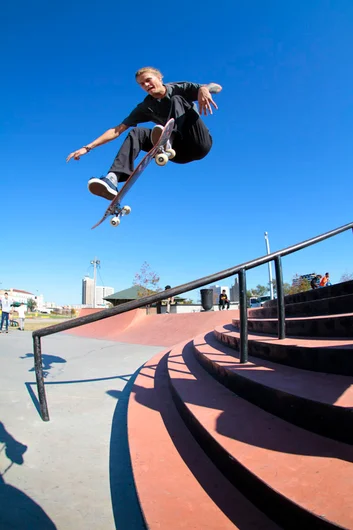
point(147, 281)
point(286, 288)
point(31, 304)
point(260, 290)
point(346, 277)
point(299, 285)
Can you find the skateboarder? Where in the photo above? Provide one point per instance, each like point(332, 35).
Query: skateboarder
point(190, 139)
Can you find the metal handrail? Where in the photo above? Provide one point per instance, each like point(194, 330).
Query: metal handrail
point(189, 286)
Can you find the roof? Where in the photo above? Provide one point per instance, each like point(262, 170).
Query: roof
point(20, 291)
point(127, 294)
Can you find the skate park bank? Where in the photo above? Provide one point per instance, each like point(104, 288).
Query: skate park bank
point(233, 419)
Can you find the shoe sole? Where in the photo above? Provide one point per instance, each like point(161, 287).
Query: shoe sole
point(156, 134)
point(99, 188)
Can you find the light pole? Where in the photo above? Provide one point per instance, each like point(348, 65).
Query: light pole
point(95, 262)
point(269, 265)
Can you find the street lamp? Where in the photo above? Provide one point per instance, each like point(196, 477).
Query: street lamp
point(269, 265)
point(95, 262)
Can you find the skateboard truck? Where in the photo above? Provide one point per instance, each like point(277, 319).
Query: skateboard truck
point(164, 155)
point(118, 213)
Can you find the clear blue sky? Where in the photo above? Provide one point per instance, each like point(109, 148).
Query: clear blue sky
point(281, 161)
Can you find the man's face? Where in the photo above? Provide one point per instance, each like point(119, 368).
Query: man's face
point(151, 83)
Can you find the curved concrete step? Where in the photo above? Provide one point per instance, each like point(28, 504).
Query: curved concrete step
point(330, 356)
point(178, 486)
point(300, 479)
point(319, 402)
point(320, 326)
point(325, 306)
point(339, 289)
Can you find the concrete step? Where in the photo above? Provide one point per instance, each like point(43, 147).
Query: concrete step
point(321, 326)
point(177, 485)
point(324, 306)
point(325, 355)
point(339, 289)
point(321, 403)
point(300, 479)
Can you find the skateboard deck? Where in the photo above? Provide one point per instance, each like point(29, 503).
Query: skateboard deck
point(115, 209)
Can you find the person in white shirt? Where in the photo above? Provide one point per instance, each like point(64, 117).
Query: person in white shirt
point(21, 317)
point(6, 309)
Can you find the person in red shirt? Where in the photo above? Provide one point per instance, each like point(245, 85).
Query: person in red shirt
point(325, 280)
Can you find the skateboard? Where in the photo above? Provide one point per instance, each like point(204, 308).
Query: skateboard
point(161, 156)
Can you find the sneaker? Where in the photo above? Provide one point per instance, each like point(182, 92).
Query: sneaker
point(103, 187)
point(156, 134)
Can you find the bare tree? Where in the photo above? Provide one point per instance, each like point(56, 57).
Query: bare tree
point(147, 281)
point(346, 277)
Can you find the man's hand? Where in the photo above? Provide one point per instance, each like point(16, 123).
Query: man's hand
point(205, 101)
point(77, 154)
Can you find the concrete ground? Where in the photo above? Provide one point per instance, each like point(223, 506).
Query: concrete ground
point(72, 472)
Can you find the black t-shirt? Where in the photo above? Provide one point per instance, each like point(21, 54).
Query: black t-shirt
point(157, 110)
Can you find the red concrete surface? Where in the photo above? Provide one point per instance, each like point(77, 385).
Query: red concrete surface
point(135, 327)
point(325, 388)
point(108, 328)
point(178, 487)
point(292, 341)
point(309, 470)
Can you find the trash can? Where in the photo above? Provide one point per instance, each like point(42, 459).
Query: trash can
point(207, 299)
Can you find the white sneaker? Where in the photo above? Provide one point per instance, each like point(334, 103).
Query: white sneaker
point(156, 134)
point(103, 187)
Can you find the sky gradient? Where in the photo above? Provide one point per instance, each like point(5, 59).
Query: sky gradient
point(281, 160)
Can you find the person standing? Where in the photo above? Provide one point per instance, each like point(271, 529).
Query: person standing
point(6, 309)
point(21, 317)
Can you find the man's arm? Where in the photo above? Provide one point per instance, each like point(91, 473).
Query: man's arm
point(108, 136)
point(205, 99)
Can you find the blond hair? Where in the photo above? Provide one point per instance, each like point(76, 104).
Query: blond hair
point(148, 69)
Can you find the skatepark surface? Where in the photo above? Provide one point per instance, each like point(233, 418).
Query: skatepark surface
point(73, 472)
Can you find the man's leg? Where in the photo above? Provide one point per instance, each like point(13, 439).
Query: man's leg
point(2, 321)
point(138, 139)
point(7, 322)
point(191, 139)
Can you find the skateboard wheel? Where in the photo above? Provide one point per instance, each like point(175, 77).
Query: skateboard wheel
point(115, 221)
point(127, 210)
point(171, 153)
point(161, 159)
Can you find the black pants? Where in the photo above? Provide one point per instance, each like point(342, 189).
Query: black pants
point(190, 139)
point(223, 305)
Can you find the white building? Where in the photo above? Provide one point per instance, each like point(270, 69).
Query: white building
point(101, 293)
point(88, 293)
point(17, 295)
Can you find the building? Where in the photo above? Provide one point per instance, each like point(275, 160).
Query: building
point(127, 295)
point(297, 279)
point(234, 291)
point(87, 291)
point(101, 293)
point(17, 295)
